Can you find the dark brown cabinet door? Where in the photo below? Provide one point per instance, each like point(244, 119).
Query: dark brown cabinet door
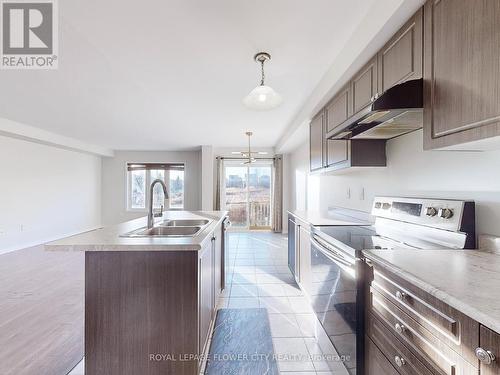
point(401, 58)
point(337, 152)
point(316, 140)
point(364, 86)
point(206, 293)
point(339, 109)
point(489, 351)
point(461, 72)
point(376, 363)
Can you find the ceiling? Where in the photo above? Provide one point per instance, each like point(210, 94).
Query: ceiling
point(171, 74)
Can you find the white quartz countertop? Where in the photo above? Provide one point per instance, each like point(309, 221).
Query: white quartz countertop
point(108, 238)
point(318, 218)
point(468, 280)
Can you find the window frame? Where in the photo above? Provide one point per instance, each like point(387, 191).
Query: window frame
point(128, 190)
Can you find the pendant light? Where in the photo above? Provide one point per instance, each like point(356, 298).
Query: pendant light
point(249, 155)
point(262, 97)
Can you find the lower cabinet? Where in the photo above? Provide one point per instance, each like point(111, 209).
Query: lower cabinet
point(376, 363)
point(410, 331)
point(210, 284)
point(488, 352)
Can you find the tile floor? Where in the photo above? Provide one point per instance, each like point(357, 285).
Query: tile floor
point(258, 276)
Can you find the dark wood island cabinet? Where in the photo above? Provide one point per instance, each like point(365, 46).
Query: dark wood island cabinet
point(150, 312)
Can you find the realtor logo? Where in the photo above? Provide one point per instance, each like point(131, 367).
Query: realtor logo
point(29, 34)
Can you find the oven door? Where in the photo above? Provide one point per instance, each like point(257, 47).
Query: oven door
point(333, 290)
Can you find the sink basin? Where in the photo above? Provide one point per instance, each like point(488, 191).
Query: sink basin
point(184, 222)
point(165, 231)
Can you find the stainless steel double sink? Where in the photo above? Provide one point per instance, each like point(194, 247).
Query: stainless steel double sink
point(171, 228)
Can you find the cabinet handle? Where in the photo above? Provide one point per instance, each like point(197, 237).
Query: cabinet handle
point(400, 361)
point(486, 357)
point(400, 295)
point(400, 328)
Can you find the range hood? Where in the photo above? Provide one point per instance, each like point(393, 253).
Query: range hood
point(397, 111)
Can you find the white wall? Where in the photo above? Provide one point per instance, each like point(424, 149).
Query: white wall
point(46, 193)
point(207, 178)
point(114, 179)
point(410, 172)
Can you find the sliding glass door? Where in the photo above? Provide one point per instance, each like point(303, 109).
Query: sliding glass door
point(247, 194)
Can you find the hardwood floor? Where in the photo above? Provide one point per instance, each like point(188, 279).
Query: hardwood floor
point(41, 311)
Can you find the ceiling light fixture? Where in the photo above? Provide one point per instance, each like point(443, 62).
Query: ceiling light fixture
point(249, 154)
point(262, 97)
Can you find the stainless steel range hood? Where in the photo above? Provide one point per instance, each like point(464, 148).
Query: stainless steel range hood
point(396, 112)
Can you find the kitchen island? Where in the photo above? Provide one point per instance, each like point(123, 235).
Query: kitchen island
point(149, 301)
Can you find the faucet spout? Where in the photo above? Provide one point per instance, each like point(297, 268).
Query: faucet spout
point(150, 206)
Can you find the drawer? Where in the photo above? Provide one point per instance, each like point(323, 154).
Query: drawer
point(375, 361)
point(449, 325)
point(434, 352)
point(400, 357)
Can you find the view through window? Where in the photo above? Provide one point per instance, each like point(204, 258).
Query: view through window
point(248, 195)
point(140, 177)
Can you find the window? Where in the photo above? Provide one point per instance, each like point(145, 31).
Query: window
point(140, 177)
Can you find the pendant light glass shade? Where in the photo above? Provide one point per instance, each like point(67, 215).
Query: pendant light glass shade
point(262, 98)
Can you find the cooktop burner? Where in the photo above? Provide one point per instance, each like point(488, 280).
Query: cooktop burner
point(361, 237)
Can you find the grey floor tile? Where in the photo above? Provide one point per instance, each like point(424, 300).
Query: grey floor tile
point(243, 290)
point(284, 325)
point(270, 290)
point(292, 354)
point(300, 305)
point(308, 324)
point(244, 278)
point(243, 303)
point(276, 305)
point(265, 269)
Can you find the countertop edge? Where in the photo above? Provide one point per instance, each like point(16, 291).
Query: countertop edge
point(454, 302)
point(204, 237)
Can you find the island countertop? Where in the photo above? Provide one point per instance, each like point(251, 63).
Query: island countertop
point(467, 280)
point(108, 238)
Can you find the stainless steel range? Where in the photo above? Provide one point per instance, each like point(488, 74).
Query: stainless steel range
point(334, 282)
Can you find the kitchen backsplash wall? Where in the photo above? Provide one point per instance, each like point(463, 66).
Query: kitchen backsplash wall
point(410, 171)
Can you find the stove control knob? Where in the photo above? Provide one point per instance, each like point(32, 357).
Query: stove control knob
point(386, 206)
point(445, 213)
point(378, 204)
point(431, 211)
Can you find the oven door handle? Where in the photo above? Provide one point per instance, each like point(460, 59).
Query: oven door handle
point(331, 254)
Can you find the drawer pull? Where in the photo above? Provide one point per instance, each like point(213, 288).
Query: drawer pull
point(400, 361)
point(400, 328)
point(400, 295)
point(485, 356)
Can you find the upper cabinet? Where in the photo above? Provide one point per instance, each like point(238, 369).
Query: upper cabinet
point(364, 86)
point(317, 139)
point(461, 73)
point(339, 109)
point(401, 58)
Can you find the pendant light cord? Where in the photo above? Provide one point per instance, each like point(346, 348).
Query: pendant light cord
point(262, 71)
